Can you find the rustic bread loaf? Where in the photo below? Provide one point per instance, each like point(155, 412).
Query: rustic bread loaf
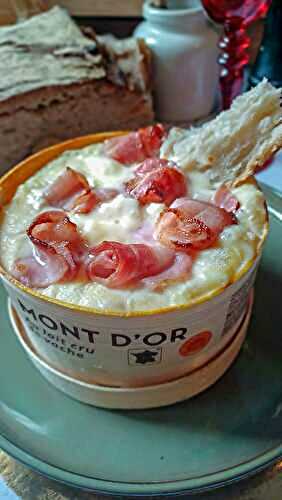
point(57, 83)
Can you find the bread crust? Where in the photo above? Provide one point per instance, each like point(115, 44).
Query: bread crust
point(233, 146)
point(62, 84)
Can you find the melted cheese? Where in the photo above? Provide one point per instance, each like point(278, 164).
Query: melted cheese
point(114, 220)
point(117, 220)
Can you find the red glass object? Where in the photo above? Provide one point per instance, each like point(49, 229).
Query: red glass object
point(235, 15)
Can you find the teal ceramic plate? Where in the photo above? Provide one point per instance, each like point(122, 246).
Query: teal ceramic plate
point(230, 431)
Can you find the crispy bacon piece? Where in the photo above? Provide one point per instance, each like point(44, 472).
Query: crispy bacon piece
point(191, 225)
point(151, 164)
point(118, 265)
point(223, 198)
point(178, 271)
point(40, 269)
point(57, 253)
point(54, 232)
point(66, 188)
point(85, 202)
point(71, 191)
point(157, 181)
point(152, 139)
point(136, 146)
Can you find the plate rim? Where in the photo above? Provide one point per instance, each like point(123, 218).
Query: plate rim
point(142, 489)
point(167, 488)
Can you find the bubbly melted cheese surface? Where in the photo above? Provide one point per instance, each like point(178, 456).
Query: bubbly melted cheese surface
point(117, 219)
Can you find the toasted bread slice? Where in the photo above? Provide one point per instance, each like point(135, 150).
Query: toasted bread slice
point(236, 143)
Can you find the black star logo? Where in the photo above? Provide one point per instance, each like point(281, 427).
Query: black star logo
point(145, 357)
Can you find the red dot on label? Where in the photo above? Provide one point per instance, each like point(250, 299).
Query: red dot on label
point(195, 344)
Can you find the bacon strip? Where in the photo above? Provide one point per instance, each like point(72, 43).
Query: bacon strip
point(85, 202)
point(152, 139)
point(118, 265)
point(223, 198)
point(40, 269)
point(136, 146)
point(59, 248)
point(190, 225)
point(71, 191)
point(151, 164)
point(66, 188)
point(54, 232)
point(157, 181)
point(178, 271)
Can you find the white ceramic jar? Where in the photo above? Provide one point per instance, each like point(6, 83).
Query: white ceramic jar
point(185, 71)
